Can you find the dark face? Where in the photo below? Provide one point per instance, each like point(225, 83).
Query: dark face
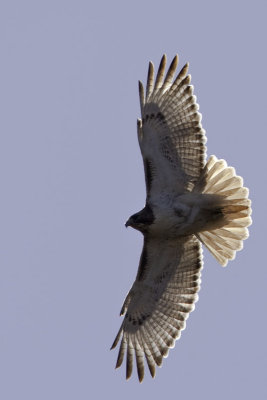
point(136, 222)
point(141, 220)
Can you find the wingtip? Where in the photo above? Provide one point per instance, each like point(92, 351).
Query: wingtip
point(141, 94)
point(129, 370)
point(175, 59)
point(152, 370)
point(164, 57)
point(117, 338)
point(151, 65)
point(184, 70)
point(151, 70)
point(113, 346)
point(161, 70)
point(150, 79)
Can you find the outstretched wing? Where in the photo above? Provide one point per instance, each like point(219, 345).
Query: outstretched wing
point(159, 301)
point(170, 134)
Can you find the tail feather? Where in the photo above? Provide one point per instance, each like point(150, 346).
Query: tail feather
point(229, 184)
point(219, 179)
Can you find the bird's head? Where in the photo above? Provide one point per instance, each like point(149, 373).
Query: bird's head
point(134, 221)
point(141, 220)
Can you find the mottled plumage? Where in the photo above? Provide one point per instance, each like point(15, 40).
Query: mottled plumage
point(188, 202)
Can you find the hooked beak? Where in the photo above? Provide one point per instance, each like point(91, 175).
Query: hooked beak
point(128, 223)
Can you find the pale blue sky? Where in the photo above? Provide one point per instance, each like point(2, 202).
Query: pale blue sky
point(71, 174)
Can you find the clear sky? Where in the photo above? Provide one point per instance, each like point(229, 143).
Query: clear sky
point(71, 174)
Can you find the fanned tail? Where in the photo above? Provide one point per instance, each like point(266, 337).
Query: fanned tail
point(219, 179)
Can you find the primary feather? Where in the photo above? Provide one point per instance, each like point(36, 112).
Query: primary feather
point(188, 202)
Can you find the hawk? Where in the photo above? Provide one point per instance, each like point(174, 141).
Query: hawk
point(189, 202)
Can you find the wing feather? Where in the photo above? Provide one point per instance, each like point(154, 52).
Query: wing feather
point(159, 302)
point(150, 80)
point(171, 137)
point(160, 74)
point(141, 94)
point(170, 74)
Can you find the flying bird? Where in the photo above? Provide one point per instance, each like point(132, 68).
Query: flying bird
point(189, 202)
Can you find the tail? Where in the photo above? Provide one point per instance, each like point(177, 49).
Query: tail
point(223, 242)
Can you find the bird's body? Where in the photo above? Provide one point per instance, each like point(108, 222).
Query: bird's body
point(189, 202)
point(179, 215)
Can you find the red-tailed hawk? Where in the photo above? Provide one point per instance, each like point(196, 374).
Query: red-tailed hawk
point(188, 202)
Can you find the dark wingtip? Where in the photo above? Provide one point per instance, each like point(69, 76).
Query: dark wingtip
point(141, 374)
point(117, 338)
point(174, 62)
point(113, 345)
point(164, 58)
point(141, 94)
